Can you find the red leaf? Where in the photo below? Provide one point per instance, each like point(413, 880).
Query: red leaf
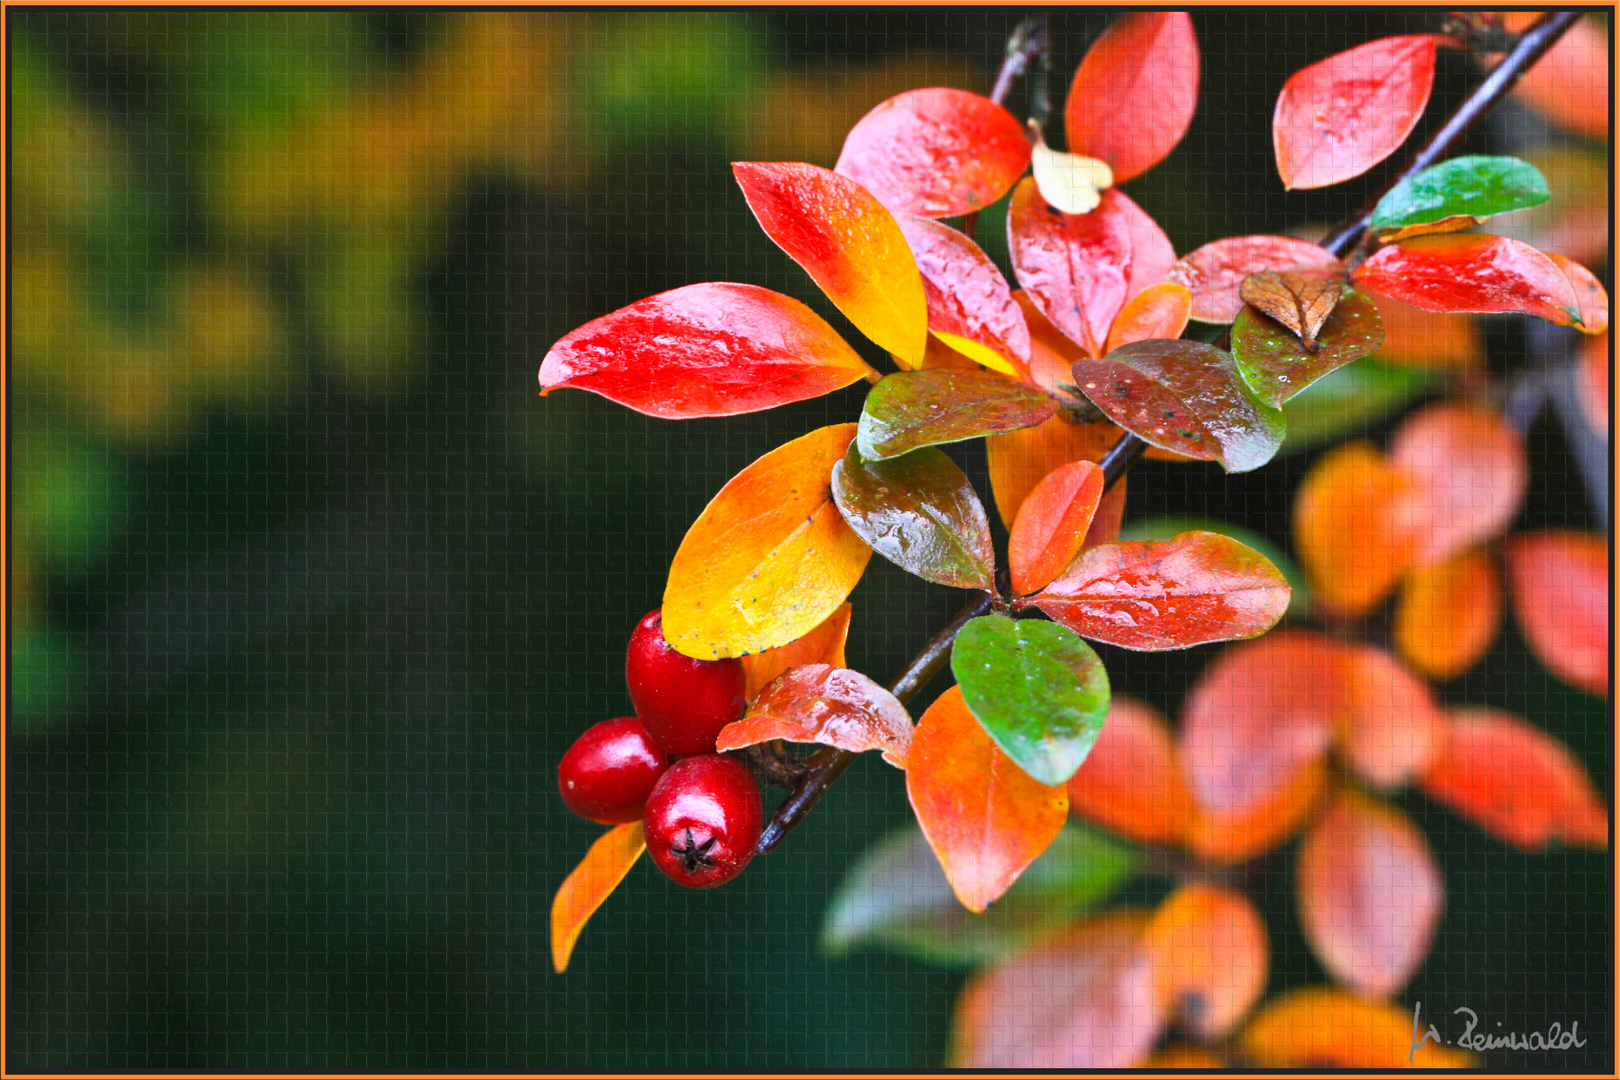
point(1158, 311)
point(1110, 516)
point(1080, 269)
point(1516, 782)
point(1448, 615)
point(1224, 837)
point(1195, 588)
point(590, 883)
point(1135, 92)
point(1370, 894)
point(1083, 1001)
point(1260, 714)
point(1571, 83)
point(848, 243)
point(1215, 272)
point(984, 817)
point(1052, 525)
point(822, 645)
point(832, 706)
point(1471, 272)
point(1130, 783)
point(1592, 381)
point(936, 152)
point(1471, 467)
point(1021, 459)
point(967, 296)
point(704, 350)
point(1210, 957)
point(1391, 726)
point(1592, 300)
point(1341, 116)
point(1559, 581)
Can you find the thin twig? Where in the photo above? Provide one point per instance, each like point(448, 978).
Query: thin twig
point(1029, 39)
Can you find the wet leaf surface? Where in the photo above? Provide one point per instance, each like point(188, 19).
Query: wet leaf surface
point(913, 409)
point(1135, 91)
point(969, 303)
point(830, 706)
point(920, 513)
point(1457, 194)
point(1471, 272)
point(1215, 272)
point(1052, 525)
point(1277, 364)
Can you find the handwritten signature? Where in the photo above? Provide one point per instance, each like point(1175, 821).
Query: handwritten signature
point(1554, 1038)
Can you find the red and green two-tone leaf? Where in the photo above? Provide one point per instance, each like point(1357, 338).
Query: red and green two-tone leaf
point(1183, 396)
point(831, 706)
point(1210, 957)
point(1080, 269)
point(1341, 116)
point(936, 152)
point(1260, 714)
point(590, 883)
point(1036, 687)
point(769, 558)
point(985, 818)
point(1391, 725)
point(1084, 1000)
point(913, 409)
point(1277, 364)
point(1131, 783)
point(1471, 272)
point(970, 306)
point(1516, 782)
point(1591, 298)
point(1321, 1027)
point(704, 350)
point(1172, 594)
point(1457, 194)
point(1448, 614)
point(1370, 894)
point(1158, 311)
point(1559, 581)
point(1471, 467)
point(1052, 524)
point(1135, 92)
point(1356, 525)
point(919, 512)
point(822, 645)
point(1215, 273)
point(848, 243)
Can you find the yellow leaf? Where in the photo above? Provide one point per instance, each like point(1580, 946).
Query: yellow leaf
point(822, 645)
point(769, 558)
point(597, 875)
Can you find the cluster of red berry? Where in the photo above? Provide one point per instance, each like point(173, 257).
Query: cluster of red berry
point(701, 810)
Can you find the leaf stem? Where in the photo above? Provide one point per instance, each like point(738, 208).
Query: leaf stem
point(1029, 39)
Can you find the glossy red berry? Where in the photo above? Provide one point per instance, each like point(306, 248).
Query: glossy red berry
point(610, 770)
point(684, 702)
point(703, 820)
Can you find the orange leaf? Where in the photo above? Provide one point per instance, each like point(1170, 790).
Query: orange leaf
point(740, 581)
point(937, 355)
point(1182, 1056)
point(1215, 272)
point(1559, 581)
point(1448, 614)
point(1472, 470)
point(1233, 836)
point(1210, 956)
point(984, 817)
point(1135, 91)
point(1110, 515)
point(1428, 338)
point(1341, 116)
point(1592, 381)
point(1590, 296)
point(1319, 1027)
point(822, 645)
point(1516, 782)
point(1130, 783)
point(1259, 715)
point(1052, 525)
point(1393, 725)
point(1158, 311)
point(1370, 894)
point(1051, 354)
point(1471, 272)
point(1084, 1000)
point(582, 892)
point(1021, 459)
point(848, 243)
point(1354, 527)
point(1570, 84)
point(1298, 301)
point(831, 706)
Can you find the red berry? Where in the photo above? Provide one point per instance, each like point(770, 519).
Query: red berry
point(703, 820)
point(684, 702)
point(610, 770)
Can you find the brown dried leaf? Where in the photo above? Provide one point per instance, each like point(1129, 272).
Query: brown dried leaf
point(1298, 301)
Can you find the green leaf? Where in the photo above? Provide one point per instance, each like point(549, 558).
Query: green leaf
point(1036, 688)
point(1183, 396)
point(1277, 364)
point(919, 512)
point(1349, 399)
point(912, 409)
point(896, 897)
point(1472, 188)
point(1166, 527)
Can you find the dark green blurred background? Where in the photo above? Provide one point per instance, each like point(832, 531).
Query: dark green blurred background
point(310, 590)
